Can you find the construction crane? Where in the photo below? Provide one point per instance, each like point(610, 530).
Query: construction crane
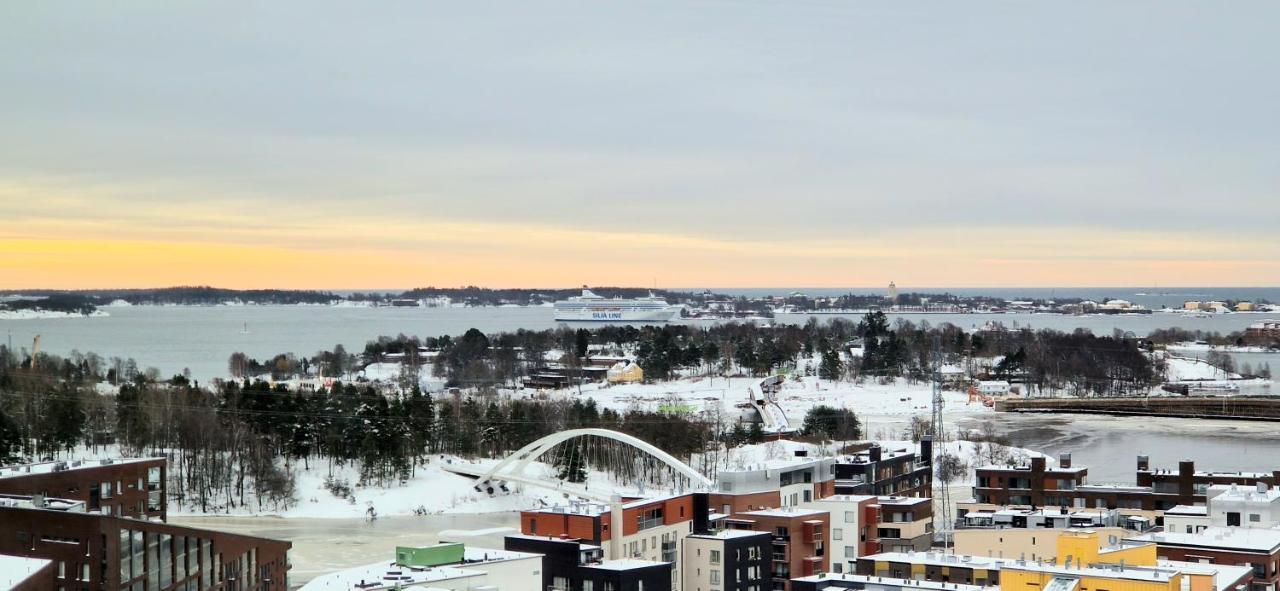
point(35, 352)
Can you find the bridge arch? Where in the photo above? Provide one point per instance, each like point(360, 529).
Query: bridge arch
point(512, 467)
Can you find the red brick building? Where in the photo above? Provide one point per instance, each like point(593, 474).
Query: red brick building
point(128, 487)
point(799, 547)
point(93, 551)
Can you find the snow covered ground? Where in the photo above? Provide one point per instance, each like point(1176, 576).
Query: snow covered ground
point(1189, 368)
point(897, 399)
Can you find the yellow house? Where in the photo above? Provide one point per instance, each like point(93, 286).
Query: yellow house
point(625, 373)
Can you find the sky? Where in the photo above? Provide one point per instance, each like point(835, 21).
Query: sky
point(725, 143)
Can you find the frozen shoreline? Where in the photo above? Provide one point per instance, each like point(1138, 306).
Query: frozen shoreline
point(46, 314)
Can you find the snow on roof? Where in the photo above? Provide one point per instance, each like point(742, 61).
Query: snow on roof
point(16, 569)
point(786, 512)
point(625, 564)
point(472, 556)
point(49, 503)
point(726, 534)
point(1228, 538)
point(386, 575)
point(890, 501)
point(885, 582)
point(1187, 510)
point(49, 467)
point(1224, 575)
point(940, 559)
point(843, 499)
point(1140, 573)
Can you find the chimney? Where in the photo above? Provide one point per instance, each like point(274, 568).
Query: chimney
point(1144, 463)
point(1064, 460)
point(701, 512)
point(1262, 487)
point(926, 451)
point(874, 452)
point(1037, 464)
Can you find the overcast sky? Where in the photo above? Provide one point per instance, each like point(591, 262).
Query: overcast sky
point(682, 142)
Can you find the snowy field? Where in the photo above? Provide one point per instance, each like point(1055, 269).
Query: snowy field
point(897, 399)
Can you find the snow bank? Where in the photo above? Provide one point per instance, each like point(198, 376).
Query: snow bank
point(44, 314)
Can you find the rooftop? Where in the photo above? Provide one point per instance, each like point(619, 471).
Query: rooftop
point(903, 501)
point(1140, 573)
point(941, 559)
point(16, 569)
point(580, 543)
point(785, 512)
point(1231, 492)
point(1250, 539)
point(387, 575)
point(38, 502)
point(726, 534)
point(888, 582)
point(1224, 575)
point(16, 470)
point(1188, 510)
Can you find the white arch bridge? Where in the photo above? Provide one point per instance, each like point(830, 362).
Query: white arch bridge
point(561, 447)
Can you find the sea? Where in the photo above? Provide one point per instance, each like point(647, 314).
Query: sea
point(200, 339)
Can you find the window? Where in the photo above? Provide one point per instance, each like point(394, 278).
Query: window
point(850, 517)
point(562, 583)
point(1233, 519)
point(533, 526)
point(1254, 518)
point(837, 533)
point(714, 577)
point(588, 585)
point(715, 557)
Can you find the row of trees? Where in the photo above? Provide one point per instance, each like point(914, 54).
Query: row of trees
point(1074, 362)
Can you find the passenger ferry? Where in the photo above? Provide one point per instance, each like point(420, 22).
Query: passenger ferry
point(592, 307)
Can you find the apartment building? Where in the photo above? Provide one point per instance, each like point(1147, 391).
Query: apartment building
point(95, 550)
point(886, 472)
point(905, 524)
point(1032, 484)
point(980, 571)
point(1257, 548)
point(795, 480)
point(1155, 491)
point(727, 560)
point(124, 487)
point(650, 529)
point(799, 544)
point(572, 565)
point(855, 523)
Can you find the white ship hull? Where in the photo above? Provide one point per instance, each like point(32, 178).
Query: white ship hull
point(608, 313)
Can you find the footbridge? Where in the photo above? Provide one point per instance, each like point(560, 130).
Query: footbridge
point(493, 478)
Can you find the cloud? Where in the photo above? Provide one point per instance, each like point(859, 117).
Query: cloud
point(724, 142)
